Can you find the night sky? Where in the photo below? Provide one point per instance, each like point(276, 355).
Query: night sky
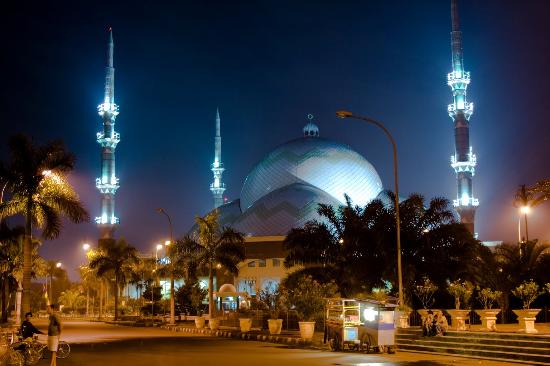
point(267, 64)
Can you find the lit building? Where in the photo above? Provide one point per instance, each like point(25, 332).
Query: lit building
point(283, 191)
point(108, 139)
point(460, 110)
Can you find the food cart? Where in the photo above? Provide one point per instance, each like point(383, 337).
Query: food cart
point(360, 324)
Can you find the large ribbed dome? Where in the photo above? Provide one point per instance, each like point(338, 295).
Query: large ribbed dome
point(329, 166)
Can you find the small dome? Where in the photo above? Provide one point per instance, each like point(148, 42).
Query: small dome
point(227, 288)
point(311, 129)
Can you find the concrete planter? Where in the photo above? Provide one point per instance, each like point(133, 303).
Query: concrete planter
point(199, 322)
point(214, 324)
point(402, 319)
point(458, 318)
point(306, 330)
point(245, 324)
point(275, 326)
point(526, 319)
point(488, 319)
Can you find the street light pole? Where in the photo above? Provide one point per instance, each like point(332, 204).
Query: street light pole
point(172, 295)
point(347, 114)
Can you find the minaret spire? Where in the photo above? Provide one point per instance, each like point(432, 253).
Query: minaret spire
point(463, 161)
point(217, 187)
point(108, 139)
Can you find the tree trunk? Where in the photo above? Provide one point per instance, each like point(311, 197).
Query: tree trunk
point(172, 300)
point(88, 301)
point(100, 298)
point(4, 307)
point(210, 292)
point(116, 296)
point(27, 263)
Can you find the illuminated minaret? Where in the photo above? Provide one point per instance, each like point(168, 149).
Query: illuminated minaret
point(217, 187)
point(463, 161)
point(108, 140)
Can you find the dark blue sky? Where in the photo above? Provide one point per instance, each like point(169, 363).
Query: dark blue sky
point(267, 64)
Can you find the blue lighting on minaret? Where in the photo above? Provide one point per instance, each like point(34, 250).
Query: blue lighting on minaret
point(217, 187)
point(108, 140)
point(463, 161)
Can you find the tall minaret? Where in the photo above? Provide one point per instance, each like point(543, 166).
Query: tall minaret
point(108, 140)
point(463, 161)
point(217, 187)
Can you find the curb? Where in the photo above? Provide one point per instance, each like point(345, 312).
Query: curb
point(291, 341)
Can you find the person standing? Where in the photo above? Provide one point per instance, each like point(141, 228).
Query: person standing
point(54, 332)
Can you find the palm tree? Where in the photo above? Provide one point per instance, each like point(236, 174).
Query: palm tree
point(9, 260)
point(214, 247)
point(351, 245)
point(113, 259)
point(71, 298)
point(38, 190)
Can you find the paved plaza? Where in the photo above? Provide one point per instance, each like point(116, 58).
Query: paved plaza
point(96, 343)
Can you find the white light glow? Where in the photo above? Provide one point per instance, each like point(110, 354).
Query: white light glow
point(525, 210)
point(369, 314)
point(465, 199)
point(85, 246)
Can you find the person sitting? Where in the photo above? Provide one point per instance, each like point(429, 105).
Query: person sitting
point(427, 325)
point(27, 329)
point(436, 326)
point(443, 324)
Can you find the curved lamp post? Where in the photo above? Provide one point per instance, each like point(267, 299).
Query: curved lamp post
point(172, 294)
point(347, 114)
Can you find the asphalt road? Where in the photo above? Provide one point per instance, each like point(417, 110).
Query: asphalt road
point(101, 344)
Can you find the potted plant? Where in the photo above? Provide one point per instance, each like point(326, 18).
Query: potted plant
point(272, 298)
point(527, 292)
point(308, 299)
point(213, 323)
point(199, 320)
point(488, 315)
point(461, 291)
point(403, 314)
point(425, 293)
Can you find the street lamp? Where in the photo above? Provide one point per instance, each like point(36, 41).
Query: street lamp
point(525, 210)
point(86, 246)
point(58, 264)
point(167, 243)
point(347, 114)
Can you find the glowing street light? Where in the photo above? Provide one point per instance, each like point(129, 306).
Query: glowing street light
point(348, 114)
point(525, 210)
point(167, 243)
point(58, 264)
point(86, 247)
point(159, 247)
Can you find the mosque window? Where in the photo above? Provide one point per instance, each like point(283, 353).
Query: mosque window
point(276, 262)
point(261, 263)
point(252, 264)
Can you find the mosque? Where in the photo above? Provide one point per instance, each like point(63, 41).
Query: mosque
point(283, 191)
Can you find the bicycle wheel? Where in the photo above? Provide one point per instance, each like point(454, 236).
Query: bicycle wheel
point(63, 349)
point(32, 356)
point(15, 358)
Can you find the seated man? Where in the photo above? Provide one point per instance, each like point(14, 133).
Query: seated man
point(28, 330)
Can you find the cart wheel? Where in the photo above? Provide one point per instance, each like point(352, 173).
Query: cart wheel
point(367, 347)
point(391, 350)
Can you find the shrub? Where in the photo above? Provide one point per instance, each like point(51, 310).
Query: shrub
point(425, 292)
point(461, 291)
point(488, 297)
point(528, 292)
point(308, 297)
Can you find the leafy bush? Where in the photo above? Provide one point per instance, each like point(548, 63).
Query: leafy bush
point(528, 292)
point(273, 299)
point(308, 297)
point(190, 297)
point(488, 297)
point(425, 292)
point(461, 291)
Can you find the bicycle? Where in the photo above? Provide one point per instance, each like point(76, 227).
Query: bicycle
point(33, 350)
point(8, 354)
